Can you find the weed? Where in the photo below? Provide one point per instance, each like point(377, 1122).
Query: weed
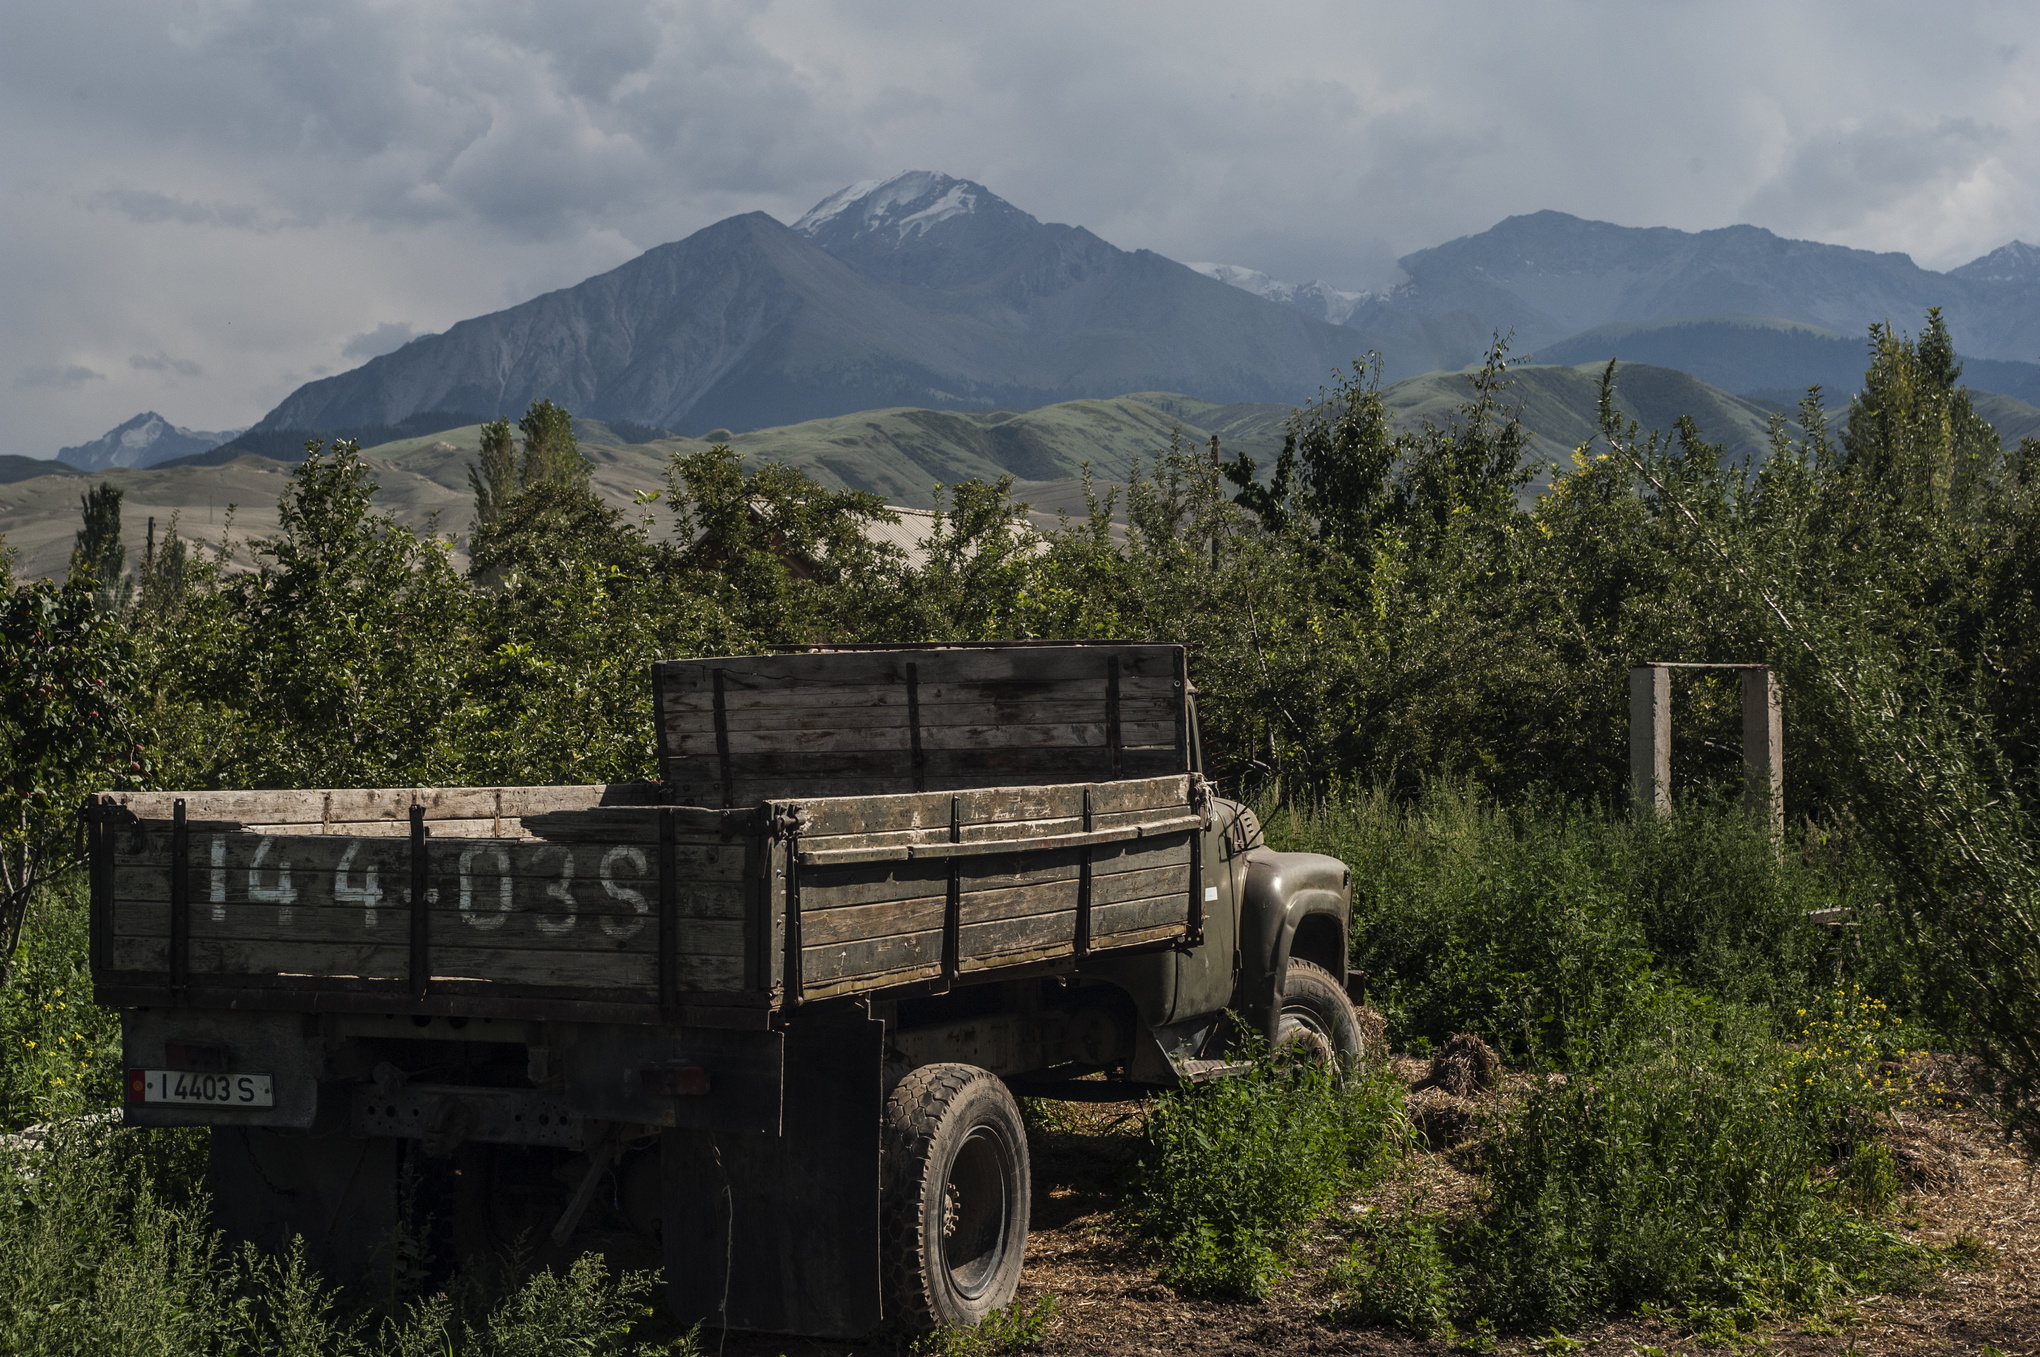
point(1683, 1175)
point(1971, 1254)
point(1018, 1327)
point(1232, 1169)
point(1395, 1273)
point(1868, 1182)
point(1557, 1344)
point(105, 1241)
point(1481, 1339)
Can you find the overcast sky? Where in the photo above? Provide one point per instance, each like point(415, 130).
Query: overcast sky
point(204, 204)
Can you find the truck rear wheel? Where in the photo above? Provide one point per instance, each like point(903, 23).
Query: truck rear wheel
point(956, 1194)
point(1317, 1022)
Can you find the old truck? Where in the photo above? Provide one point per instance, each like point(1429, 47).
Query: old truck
point(762, 1022)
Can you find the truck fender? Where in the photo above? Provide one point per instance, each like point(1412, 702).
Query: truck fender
point(1293, 904)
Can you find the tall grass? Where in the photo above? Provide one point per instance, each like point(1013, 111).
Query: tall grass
point(1538, 926)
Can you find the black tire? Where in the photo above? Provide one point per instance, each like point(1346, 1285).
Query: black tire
point(956, 1194)
point(1317, 1022)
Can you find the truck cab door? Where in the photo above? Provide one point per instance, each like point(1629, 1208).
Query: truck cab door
point(1205, 974)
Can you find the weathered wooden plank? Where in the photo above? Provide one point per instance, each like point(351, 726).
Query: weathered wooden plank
point(583, 932)
point(239, 854)
point(697, 786)
point(538, 916)
point(624, 824)
point(1026, 665)
point(1128, 916)
point(896, 739)
point(867, 883)
point(920, 953)
point(1016, 902)
point(879, 708)
point(885, 918)
point(926, 810)
point(991, 943)
point(590, 969)
point(1047, 897)
point(1021, 764)
point(870, 883)
point(319, 806)
point(1139, 937)
point(992, 847)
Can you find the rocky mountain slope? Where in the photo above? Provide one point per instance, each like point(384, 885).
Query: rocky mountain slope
point(922, 290)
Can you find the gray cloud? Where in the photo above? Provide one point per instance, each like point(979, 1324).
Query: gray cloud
point(149, 208)
point(67, 378)
point(1836, 179)
point(255, 186)
point(160, 362)
point(387, 337)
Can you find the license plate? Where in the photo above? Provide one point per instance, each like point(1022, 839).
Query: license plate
point(181, 1088)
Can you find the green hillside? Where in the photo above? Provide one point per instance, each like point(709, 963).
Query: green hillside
point(902, 453)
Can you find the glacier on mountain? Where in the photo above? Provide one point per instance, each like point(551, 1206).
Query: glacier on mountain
point(1317, 298)
point(878, 203)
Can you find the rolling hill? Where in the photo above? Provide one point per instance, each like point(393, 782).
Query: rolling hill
point(1764, 357)
point(901, 452)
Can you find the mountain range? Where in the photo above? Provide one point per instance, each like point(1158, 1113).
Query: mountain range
point(1745, 308)
point(930, 292)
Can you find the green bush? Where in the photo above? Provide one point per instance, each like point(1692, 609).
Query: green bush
point(1233, 1168)
point(1690, 1173)
point(59, 1051)
point(106, 1246)
point(1396, 1273)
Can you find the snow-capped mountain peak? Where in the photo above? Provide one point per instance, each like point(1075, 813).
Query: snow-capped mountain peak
point(922, 227)
point(1317, 298)
point(143, 441)
point(2017, 262)
point(902, 206)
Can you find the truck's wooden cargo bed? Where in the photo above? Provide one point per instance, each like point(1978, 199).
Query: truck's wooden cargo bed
point(832, 876)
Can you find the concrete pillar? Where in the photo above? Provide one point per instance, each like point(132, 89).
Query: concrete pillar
point(1763, 742)
point(1650, 739)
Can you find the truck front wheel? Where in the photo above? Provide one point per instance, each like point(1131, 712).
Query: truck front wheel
point(956, 1195)
point(1317, 1022)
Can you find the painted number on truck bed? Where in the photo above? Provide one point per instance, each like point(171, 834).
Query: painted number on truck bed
point(183, 1088)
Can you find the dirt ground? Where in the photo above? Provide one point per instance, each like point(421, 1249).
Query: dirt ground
point(1962, 1180)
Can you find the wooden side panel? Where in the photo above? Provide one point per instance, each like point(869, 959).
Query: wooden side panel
point(510, 911)
point(873, 924)
point(738, 730)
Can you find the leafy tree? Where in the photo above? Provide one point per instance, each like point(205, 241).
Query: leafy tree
point(494, 477)
point(67, 729)
point(551, 456)
point(340, 655)
point(779, 552)
point(98, 557)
